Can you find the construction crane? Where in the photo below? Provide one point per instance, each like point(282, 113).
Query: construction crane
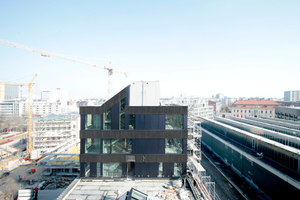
point(29, 110)
point(110, 70)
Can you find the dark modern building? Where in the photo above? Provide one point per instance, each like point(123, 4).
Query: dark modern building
point(288, 113)
point(130, 135)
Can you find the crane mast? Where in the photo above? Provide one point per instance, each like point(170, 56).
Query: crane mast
point(110, 70)
point(29, 110)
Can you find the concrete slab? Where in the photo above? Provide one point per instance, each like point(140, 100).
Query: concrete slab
point(94, 190)
point(87, 192)
point(90, 187)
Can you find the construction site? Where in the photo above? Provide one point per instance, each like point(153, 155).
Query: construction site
point(43, 162)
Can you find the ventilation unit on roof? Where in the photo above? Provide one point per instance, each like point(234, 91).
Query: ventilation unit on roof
point(266, 106)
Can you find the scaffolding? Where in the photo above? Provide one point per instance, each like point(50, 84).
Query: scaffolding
point(51, 132)
point(62, 160)
point(197, 174)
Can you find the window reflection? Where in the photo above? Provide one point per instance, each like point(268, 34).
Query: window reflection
point(112, 169)
point(177, 169)
point(98, 169)
point(87, 169)
point(122, 114)
point(160, 169)
point(106, 145)
point(121, 145)
point(107, 120)
point(92, 122)
point(173, 145)
point(174, 121)
point(92, 145)
point(131, 122)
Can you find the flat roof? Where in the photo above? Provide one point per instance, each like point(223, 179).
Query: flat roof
point(110, 189)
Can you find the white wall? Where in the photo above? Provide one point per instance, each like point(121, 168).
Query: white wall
point(144, 93)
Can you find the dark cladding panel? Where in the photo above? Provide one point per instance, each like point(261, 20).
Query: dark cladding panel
point(156, 110)
point(124, 169)
point(184, 122)
point(134, 134)
point(162, 144)
point(183, 169)
point(82, 122)
point(148, 119)
point(147, 146)
point(93, 169)
point(139, 122)
point(184, 146)
point(168, 170)
point(115, 117)
point(126, 122)
point(127, 95)
point(82, 174)
point(82, 146)
point(145, 170)
point(162, 122)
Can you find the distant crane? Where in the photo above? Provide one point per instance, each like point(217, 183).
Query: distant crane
point(29, 110)
point(110, 70)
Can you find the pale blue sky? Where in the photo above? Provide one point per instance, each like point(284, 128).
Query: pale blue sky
point(238, 48)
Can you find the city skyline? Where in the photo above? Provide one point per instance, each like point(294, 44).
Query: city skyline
point(239, 49)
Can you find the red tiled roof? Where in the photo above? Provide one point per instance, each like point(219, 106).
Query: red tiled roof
point(251, 103)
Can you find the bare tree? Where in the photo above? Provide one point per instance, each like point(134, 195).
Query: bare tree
point(9, 188)
point(11, 123)
point(224, 108)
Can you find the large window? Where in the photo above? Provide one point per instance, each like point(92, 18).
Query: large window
point(173, 145)
point(122, 114)
point(160, 169)
point(98, 169)
point(174, 121)
point(92, 122)
point(107, 120)
point(106, 145)
point(131, 122)
point(121, 145)
point(87, 169)
point(177, 169)
point(112, 169)
point(92, 145)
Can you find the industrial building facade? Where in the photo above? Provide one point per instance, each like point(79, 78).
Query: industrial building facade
point(123, 138)
point(288, 113)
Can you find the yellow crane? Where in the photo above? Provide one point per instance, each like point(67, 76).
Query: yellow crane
point(110, 70)
point(29, 110)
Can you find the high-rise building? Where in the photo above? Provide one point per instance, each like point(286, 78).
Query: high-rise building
point(9, 92)
point(130, 135)
point(55, 95)
point(292, 95)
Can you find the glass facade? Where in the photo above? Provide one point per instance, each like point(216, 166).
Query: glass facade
point(177, 169)
point(131, 122)
point(98, 169)
point(106, 146)
point(122, 114)
point(121, 145)
point(92, 122)
point(160, 169)
point(87, 169)
point(173, 145)
point(92, 145)
point(107, 120)
point(174, 121)
point(112, 169)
